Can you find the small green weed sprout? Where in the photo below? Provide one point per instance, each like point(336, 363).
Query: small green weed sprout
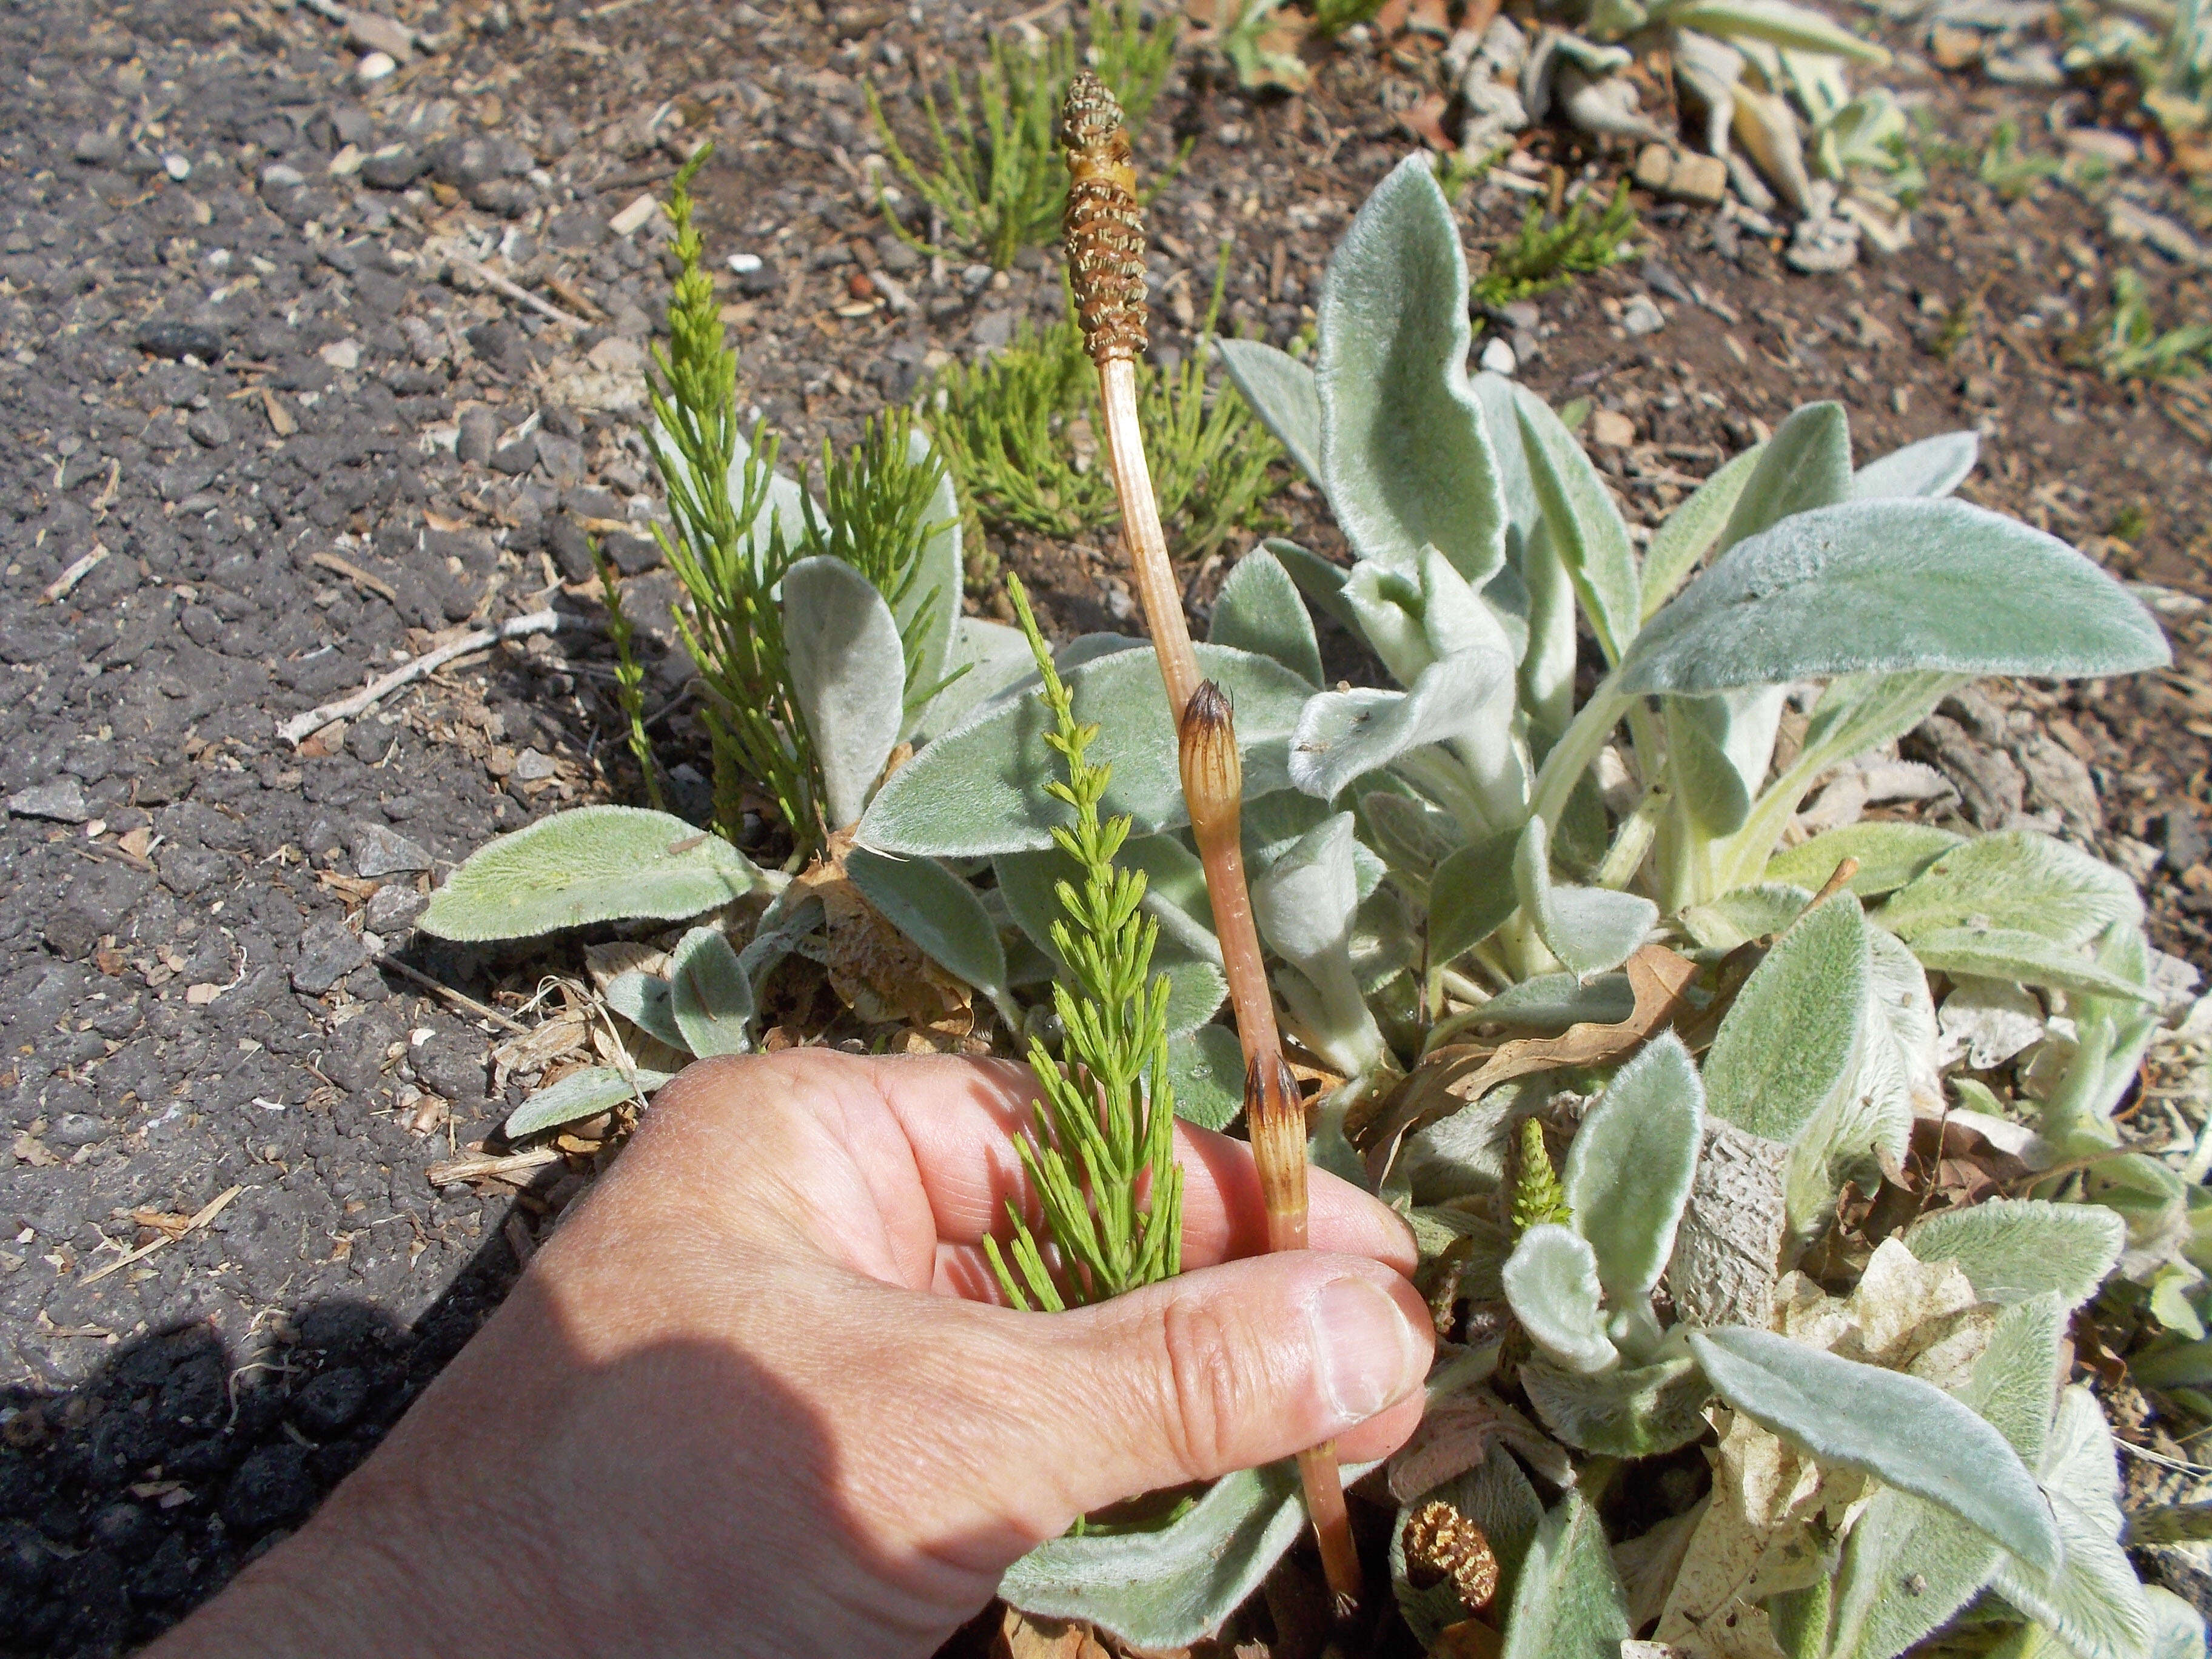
point(2134, 347)
point(630, 674)
point(1103, 1155)
point(2012, 172)
point(997, 184)
point(1542, 255)
point(1332, 17)
point(1007, 424)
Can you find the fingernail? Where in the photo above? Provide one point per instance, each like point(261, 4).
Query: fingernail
point(1368, 1355)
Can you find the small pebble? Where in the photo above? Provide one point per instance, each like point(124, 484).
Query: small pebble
point(1497, 356)
point(177, 168)
point(374, 66)
point(744, 263)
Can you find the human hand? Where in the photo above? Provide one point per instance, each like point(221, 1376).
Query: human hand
point(753, 1396)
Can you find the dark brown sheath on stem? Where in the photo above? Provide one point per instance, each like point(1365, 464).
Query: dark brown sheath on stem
point(1105, 231)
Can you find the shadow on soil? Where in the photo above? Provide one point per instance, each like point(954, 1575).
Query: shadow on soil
point(130, 1499)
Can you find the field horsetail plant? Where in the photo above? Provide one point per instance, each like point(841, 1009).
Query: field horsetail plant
point(1658, 1042)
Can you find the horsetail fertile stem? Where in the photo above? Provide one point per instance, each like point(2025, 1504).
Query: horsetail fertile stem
point(1275, 1112)
point(1106, 267)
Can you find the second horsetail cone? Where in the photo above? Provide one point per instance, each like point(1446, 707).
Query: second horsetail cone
point(1104, 227)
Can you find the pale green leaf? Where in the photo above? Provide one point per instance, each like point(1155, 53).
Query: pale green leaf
point(709, 996)
point(1552, 1002)
point(2021, 956)
point(1744, 913)
point(1168, 1588)
point(1283, 394)
point(1470, 895)
point(1807, 463)
point(1790, 1043)
point(1414, 837)
point(1909, 1564)
point(1207, 1066)
point(1344, 735)
point(1259, 610)
point(1305, 900)
point(1629, 1170)
point(642, 999)
point(1889, 855)
point(979, 790)
point(1585, 527)
point(1905, 1432)
point(1639, 1411)
point(842, 644)
point(1317, 578)
point(581, 1094)
point(1872, 1110)
point(2177, 1630)
point(1569, 1603)
point(1719, 747)
point(995, 658)
point(1692, 529)
point(1523, 511)
point(2111, 1033)
point(1934, 466)
point(937, 911)
point(2012, 1249)
point(2018, 881)
point(1405, 460)
point(1776, 23)
point(1551, 1281)
point(1589, 929)
point(931, 608)
point(2093, 1601)
point(590, 864)
point(1893, 585)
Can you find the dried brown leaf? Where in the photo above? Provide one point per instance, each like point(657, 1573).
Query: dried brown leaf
point(1658, 978)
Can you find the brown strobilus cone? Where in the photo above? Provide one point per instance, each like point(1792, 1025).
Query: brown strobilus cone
point(1105, 232)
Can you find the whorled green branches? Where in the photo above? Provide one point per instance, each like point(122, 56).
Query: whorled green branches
point(746, 546)
point(996, 185)
point(630, 674)
point(1102, 1157)
point(729, 562)
point(878, 499)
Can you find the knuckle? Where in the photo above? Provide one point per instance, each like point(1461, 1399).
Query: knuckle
point(1208, 1389)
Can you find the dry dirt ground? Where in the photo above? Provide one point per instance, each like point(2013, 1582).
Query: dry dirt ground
point(272, 429)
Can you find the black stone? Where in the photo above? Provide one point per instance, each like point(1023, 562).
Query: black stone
point(177, 341)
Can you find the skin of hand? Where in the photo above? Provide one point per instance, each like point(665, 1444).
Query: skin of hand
point(754, 1395)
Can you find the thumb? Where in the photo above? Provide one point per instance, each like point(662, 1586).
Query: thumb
point(1222, 1370)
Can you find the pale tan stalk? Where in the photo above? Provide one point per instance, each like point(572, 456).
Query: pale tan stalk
point(1156, 591)
point(1106, 264)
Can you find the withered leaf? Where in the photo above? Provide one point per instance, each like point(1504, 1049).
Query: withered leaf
point(1658, 978)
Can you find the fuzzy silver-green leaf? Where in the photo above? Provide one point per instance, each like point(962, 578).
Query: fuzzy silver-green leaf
point(1905, 1432)
point(590, 864)
point(1893, 585)
point(1404, 460)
